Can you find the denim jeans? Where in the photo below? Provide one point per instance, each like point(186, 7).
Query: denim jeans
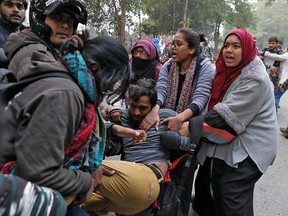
point(278, 94)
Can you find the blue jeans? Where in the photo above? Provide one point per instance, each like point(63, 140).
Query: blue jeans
point(278, 94)
point(75, 211)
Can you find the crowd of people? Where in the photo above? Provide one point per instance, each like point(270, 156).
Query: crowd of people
point(275, 58)
point(56, 131)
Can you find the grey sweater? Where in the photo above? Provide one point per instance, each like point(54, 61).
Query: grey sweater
point(150, 150)
point(201, 89)
point(248, 108)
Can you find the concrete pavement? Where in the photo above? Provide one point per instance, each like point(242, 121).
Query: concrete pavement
point(271, 191)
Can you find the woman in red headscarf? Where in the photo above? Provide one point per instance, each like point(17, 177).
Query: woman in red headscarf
point(239, 134)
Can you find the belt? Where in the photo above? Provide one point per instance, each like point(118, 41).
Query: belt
point(156, 171)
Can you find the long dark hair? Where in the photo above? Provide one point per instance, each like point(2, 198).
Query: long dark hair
point(113, 61)
point(193, 38)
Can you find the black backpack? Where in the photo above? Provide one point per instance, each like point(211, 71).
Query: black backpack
point(176, 189)
point(9, 86)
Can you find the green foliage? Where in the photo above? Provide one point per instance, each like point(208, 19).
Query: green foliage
point(102, 14)
point(164, 15)
point(242, 16)
point(271, 21)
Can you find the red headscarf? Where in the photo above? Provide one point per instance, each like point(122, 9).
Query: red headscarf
point(224, 75)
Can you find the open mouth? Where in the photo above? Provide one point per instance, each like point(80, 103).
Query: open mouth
point(229, 59)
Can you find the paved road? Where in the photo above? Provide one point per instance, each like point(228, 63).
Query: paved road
point(271, 191)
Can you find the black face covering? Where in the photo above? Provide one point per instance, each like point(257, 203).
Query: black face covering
point(143, 68)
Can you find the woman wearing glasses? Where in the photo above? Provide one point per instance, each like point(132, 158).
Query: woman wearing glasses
point(145, 60)
point(184, 83)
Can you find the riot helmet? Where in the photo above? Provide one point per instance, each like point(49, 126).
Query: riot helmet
point(39, 9)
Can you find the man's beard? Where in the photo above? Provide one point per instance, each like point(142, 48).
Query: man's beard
point(14, 24)
point(135, 123)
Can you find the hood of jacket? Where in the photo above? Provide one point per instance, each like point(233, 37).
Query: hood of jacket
point(28, 55)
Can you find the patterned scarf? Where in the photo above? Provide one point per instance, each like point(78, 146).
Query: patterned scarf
point(186, 89)
point(86, 150)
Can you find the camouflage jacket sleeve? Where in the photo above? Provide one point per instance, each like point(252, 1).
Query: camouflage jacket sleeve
point(20, 197)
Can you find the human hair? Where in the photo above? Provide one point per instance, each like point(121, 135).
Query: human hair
point(281, 41)
point(143, 87)
point(113, 61)
point(193, 39)
point(25, 3)
point(273, 39)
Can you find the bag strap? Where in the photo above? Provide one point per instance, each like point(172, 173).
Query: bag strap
point(195, 125)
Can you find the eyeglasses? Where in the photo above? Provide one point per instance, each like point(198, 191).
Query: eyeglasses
point(142, 52)
point(177, 44)
point(63, 20)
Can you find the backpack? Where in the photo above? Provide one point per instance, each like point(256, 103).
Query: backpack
point(10, 87)
point(175, 190)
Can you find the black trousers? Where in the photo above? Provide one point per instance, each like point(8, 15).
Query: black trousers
point(221, 190)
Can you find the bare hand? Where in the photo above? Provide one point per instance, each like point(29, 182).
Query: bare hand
point(164, 59)
point(98, 173)
point(140, 136)
point(261, 53)
point(174, 123)
point(151, 119)
point(273, 70)
point(104, 112)
point(184, 130)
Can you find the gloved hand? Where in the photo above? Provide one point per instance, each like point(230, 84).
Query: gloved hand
point(173, 140)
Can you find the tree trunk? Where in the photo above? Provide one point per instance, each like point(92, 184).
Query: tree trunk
point(216, 37)
point(120, 20)
point(123, 22)
point(185, 23)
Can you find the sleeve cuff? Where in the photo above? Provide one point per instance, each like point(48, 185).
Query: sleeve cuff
point(195, 109)
point(159, 102)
